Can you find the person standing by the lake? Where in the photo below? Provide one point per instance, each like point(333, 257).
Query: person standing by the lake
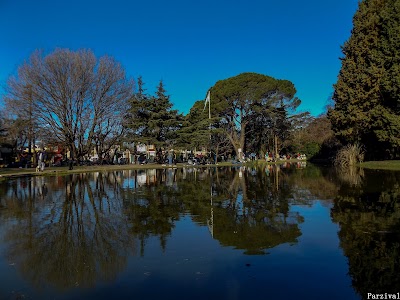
point(39, 160)
point(43, 160)
point(70, 161)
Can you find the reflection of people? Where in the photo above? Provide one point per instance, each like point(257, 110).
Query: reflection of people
point(267, 170)
point(43, 190)
point(170, 177)
point(170, 158)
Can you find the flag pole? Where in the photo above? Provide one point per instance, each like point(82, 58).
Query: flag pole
point(208, 99)
point(209, 107)
point(209, 119)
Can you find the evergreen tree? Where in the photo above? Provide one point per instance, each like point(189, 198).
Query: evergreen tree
point(195, 132)
point(151, 119)
point(250, 103)
point(367, 99)
point(138, 113)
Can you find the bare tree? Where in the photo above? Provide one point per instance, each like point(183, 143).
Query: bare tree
point(77, 98)
point(22, 126)
point(15, 132)
point(3, 128)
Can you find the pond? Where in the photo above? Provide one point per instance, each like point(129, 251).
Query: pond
point(273, 232)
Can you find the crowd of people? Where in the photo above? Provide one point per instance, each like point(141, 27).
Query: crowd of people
point(40, 158)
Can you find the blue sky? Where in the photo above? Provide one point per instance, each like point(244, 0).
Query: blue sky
point(189, 44)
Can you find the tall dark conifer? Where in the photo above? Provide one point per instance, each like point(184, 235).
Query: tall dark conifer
point(164, 121)
point(151, 119)
point(195, 132)
point(367, 99)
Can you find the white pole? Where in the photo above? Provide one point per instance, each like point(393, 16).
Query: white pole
point(209, 118)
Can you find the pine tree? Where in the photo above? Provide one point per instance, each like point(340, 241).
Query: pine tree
point(152, 119)
point(138, 114)
point(242, 100)
point(367, 99)
point(195, 132)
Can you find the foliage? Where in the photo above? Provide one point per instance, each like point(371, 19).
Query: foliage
point(199, 131)
point(265, 128)
point(313, 136)
point(349, 155)
point(84, 103)
point(151, 119)
point(250, 105)
point(195, 132)
point(367, 98)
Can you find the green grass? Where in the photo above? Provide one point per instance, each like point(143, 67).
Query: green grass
point(383, 165)
point(55, 171)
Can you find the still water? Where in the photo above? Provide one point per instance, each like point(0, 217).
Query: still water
point(286, 232)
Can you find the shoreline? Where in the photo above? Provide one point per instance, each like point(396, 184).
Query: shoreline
point(7, 173)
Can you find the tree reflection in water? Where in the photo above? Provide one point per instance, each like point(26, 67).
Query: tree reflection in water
point(80, 229)
point(249, 212)
point(74, 235)
point(253, 213)
point(369, 219)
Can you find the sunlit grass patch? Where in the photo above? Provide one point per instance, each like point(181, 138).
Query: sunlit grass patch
point(384, 165)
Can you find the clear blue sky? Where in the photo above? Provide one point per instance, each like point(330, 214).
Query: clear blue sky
point(189, 44)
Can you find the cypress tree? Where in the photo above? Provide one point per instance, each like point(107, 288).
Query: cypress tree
point(367, 99)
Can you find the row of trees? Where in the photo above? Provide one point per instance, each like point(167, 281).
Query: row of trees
point(73, 99)
point(249, 113)
point(84, 103)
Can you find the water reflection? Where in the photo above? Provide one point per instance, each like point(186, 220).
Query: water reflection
point(369, 218)
point(235, 207)
point(66, 231)
point(78, 230)
point(253, 213)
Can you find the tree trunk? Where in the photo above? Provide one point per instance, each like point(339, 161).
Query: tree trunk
point(242, 135)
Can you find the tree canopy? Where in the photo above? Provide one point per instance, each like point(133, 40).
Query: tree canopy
point(367, 98)
point(195, 130)
point(73, 99)
point(249, 103)
point(151, 119)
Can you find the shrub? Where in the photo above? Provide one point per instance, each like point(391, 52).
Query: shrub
point(349, 155)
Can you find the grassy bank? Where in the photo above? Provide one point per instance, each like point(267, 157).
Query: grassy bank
point(383, 165)
point(55, 171)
